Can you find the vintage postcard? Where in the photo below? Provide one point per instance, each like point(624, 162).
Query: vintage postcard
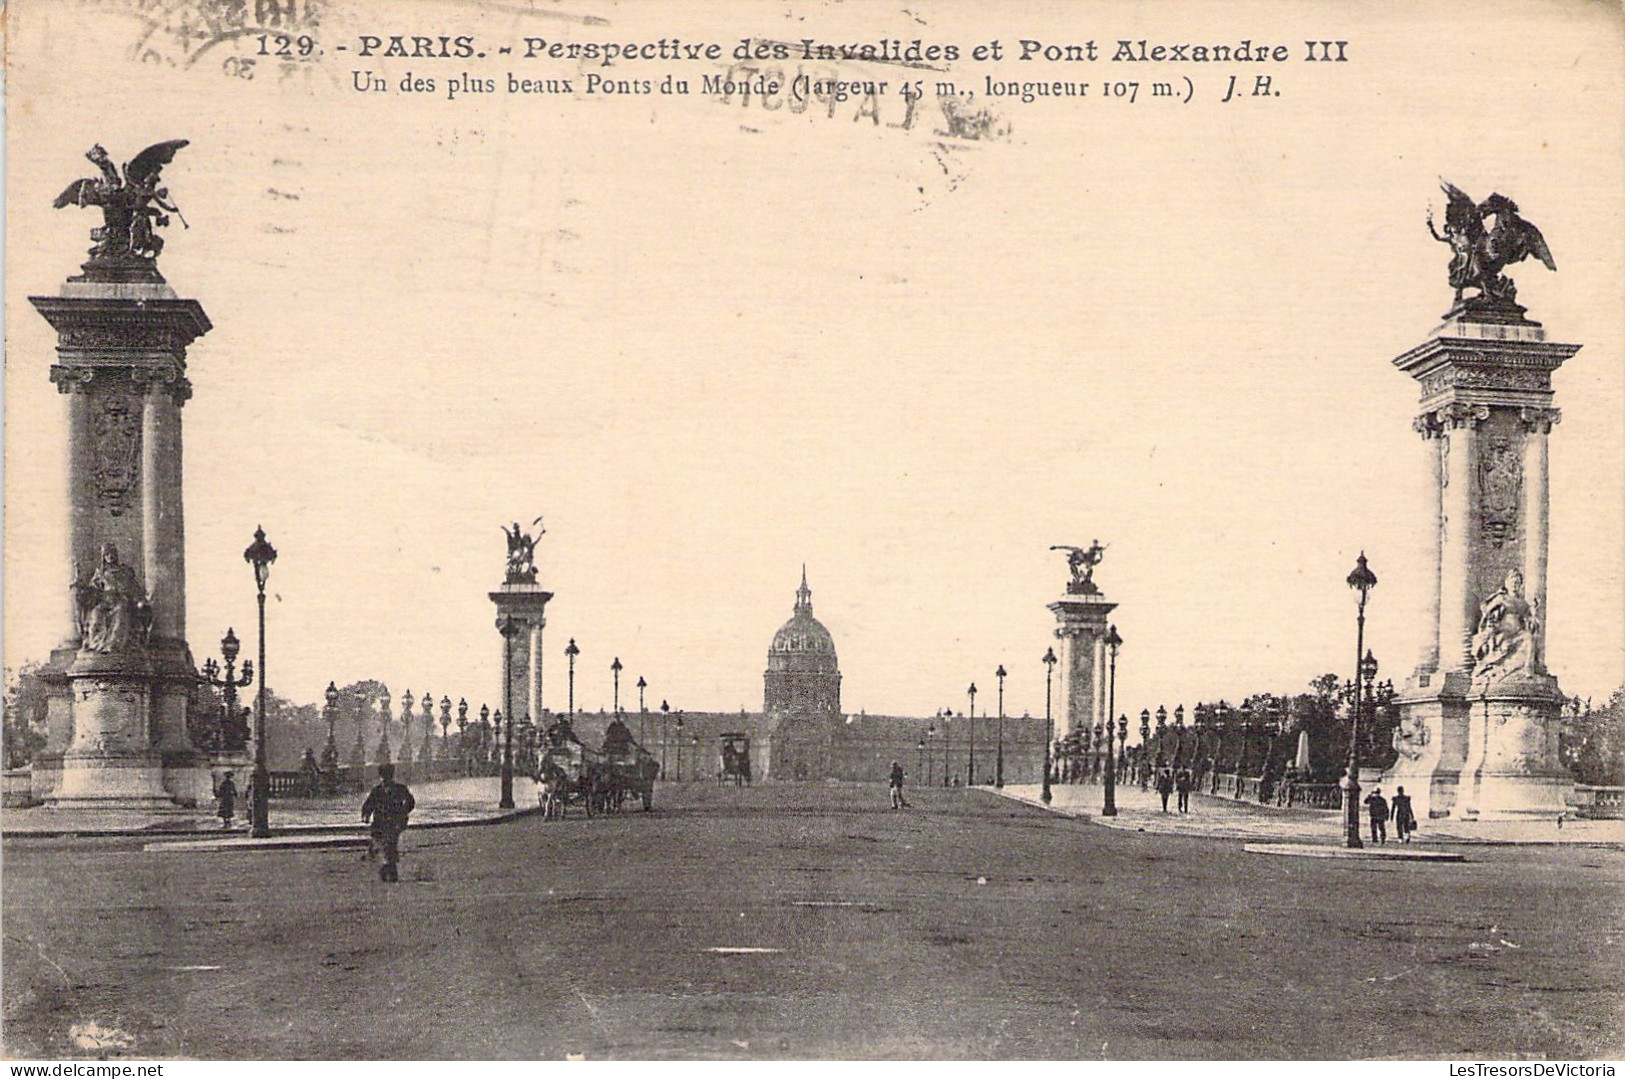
point(811, 530)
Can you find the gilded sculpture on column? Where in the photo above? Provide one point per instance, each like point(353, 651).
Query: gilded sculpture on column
point(522, 552)
point(1082, 562)
point(1480, 252)
point(133, 206)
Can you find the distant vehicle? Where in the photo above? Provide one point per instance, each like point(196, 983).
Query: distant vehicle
point(735, 759)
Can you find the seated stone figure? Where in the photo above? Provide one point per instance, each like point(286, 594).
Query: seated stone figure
point(1505, 642)
point(114, 614)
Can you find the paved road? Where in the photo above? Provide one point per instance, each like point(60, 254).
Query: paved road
point(968, 926)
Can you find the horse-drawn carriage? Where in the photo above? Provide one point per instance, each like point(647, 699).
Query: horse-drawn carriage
point(735, 759)
point(572, 774)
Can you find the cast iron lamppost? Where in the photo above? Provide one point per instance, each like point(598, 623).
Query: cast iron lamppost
point(1113, 643)
point(665, 719)
point(570, 653)
point(1362, 580)
point(643, 713)
point(930, 733)
point(1049, 722)
point(509, 630)
point(330, 752)
point(919, 760)
point(947, 741)
point(1368, 670)
point(998, 763)
point(679, 747)
point(229, 685)
point(260, 555)
point(970, 768)
point(616, 669)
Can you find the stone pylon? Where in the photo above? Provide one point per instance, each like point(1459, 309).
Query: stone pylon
point(526, 603)
point(1082, 626)
point(1479, 716)
point(123, 675)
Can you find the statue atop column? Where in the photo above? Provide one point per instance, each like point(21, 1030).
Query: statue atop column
point(133, 208)
point(112, 609)
point(1479, 254)
point(522, 553)
point(1082, 562)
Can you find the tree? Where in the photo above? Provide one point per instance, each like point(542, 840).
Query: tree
point(1591, 742)
point(25, 701)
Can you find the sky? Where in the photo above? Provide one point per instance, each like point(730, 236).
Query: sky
point(710, 343)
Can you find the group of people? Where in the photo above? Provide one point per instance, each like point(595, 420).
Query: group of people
point(1380, 810)
point(1170, 782)
point(386, 810)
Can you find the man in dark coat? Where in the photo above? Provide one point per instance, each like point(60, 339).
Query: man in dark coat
point(226, 794)
point(1165, 786)
point(386, 809)
point(1404, 816)
point(1377, 806)
point(1182, 784)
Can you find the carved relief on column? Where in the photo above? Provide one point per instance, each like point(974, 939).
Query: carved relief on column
point(116, 431)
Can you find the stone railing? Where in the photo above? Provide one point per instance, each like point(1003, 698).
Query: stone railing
point(1309, 795)
point(1601, 803)
point(351, 780)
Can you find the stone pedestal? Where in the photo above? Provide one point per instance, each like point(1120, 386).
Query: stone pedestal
point(1479, 715)
point(123, 676)
point(1081, 615)
point(526, 603)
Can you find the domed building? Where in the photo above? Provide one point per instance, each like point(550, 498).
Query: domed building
point(801, 696)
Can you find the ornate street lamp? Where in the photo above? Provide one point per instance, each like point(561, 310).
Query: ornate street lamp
point(1362, 580)
point(643, 713)
point(1113, 643)
point(1368, 671)
point(1145, 746)
point(615, 668)
point(970, 767)
point(679, 747)
point(509, 629)
point(930, 733)
point(947, 741)
point(1049, 721)
point(920, 760)
point(330, 712)
point(665, 718)
point(228, 686)
point(570, 653)
point(445, 727)
point(260, 555)
point(998, 763)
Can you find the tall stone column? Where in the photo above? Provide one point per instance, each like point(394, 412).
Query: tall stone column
point(121, 679)
point(1081, 627)
point(1479, 719)
point(526, 603)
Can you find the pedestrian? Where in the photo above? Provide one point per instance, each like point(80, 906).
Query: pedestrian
point(1377, 806)
point(897, 799)
point(387, 809)
point(226, 795)
point(1404, 818)
point(1182, 783)
point(1165, 786)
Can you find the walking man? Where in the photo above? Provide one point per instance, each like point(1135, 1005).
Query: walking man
point(386, 809)
point(1404, 818)
point(1182, 783)
point(1165, 786)
point(897, 799)
point(226, 795)
point(1377, 806)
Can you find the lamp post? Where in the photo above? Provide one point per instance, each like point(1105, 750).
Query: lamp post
point(260, 555)
point(1362, 580)
point(970, 767)
point(1145, 746)
point(615, 668)
point(229, 685)
point(445, 727)
point(679, 747)
point(330, 712)
point(930, 733)
point(570, 653)
point(947, 741)
point(643, 713)
point(1049, 722)
point(998, 763)
point(665, 718)
point(919, 760)
point(1113, 643)
point(509, 630)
